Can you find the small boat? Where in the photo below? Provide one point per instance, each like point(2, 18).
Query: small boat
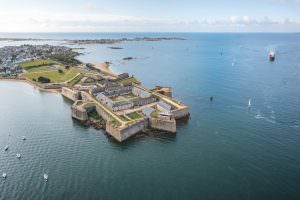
point(249, 103)
point(46, 177)
point(18, 155)
point(6, 148)
point(23, 138)
point(4, 175)
point(272, 55)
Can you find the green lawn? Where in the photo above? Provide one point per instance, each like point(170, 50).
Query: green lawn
point(134, 115)
point(75, 80)
point(129, 80)
point(55, 76)
point(42, 68)
point(90, 80)
point(124, 118)
point(37, 65)
point(129, 96)
point(116, 123)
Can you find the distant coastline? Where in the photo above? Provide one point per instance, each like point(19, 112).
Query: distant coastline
point(98, 41)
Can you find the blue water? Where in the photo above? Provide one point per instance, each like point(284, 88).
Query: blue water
point(225, 151)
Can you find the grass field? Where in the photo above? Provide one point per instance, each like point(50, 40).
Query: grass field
point(134, 115)
point(124, 118)
point(42, 68)
point(89, 80)
point(37, 65)
point(55, 76)
point(129, 80)
point(75, 80)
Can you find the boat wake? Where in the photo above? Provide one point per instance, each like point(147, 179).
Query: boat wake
point(271, 118)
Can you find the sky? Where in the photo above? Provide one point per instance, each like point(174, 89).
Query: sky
point(150, 16)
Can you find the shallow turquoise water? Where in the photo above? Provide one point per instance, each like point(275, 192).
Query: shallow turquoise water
point(223, 152)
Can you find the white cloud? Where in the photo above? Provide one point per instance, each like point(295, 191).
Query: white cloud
point(89, 6)
point(287, 1)
point(93, 22)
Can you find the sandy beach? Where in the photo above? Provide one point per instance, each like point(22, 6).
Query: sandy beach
point(103, 67)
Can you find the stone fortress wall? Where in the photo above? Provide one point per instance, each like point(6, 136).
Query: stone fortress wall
point(122, 130)
point(70, 94)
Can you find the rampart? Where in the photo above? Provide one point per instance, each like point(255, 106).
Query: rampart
point(162, 124)
point(123, 133)
point(70, 94)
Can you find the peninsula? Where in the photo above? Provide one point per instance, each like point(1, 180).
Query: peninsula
point(118, 103)
point(98, 41)
point(115, 41)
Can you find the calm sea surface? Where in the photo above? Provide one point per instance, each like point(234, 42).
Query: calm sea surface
point(223, 152)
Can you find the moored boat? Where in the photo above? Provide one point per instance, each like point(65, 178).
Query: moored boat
point(272, 55)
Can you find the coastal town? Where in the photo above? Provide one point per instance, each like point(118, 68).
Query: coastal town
point(12, 56)
point(117, 103)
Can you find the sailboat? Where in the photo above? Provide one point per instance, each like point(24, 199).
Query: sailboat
point(249, 103)
point(46, 177)
point(272, 55)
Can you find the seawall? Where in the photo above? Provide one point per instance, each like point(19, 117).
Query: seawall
point(70, 94)
point(168, 125)
point(123, 133)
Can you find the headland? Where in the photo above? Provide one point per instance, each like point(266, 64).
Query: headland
point(117, 103)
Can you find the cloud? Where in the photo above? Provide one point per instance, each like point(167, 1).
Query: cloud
point(287, 1)
point(95, 22)
point(89, 6)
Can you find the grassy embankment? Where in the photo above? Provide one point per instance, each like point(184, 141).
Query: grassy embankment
point(129, 80)
point(38, 65)
point(75, 80)
point(57, 74)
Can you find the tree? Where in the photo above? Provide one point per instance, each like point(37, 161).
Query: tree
point(60, 71)
point(89, 65)
point(43, 79)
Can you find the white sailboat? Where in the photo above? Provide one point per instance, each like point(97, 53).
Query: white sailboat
point(18, 155)
point(272, 55)
point(6, 148)
point(249, 103)
point(4, 175)
point(46, 177)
